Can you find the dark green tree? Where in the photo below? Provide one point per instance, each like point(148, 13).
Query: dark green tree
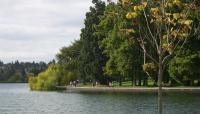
point(91, 59)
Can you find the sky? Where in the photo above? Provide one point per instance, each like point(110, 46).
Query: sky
point(35, 30)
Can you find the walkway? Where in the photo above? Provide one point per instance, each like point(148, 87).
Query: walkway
point(130, 90)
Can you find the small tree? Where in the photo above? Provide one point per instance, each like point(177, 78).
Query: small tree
point(160, 26)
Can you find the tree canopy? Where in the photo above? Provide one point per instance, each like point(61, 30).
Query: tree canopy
point(132, 41)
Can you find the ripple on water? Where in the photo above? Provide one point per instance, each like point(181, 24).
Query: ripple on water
point(17, 99)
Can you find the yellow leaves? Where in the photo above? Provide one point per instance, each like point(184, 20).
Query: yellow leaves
point(185, 22)
point(126, 2)
point(170, 5)
point(128, 16)
point(144, 4)
point(172, 29)
point(168, 18)
point(184, 35)
point(178, 19)
point(149, 67)
point(188, 22)
point(181, 21)
point(168, 14)
point(154, 10)
point(128, 30)
point(165, 36)
point(167, 47)
point(138, 8)
point(155, 15)
point(177, 2)
point(131, 15)
point(176, 16)
point(174, 33)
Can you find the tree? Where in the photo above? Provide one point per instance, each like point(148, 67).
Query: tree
point(162, 24)
point(123, 58)
point(91, 58)
point(184, 67)
point(18, 71)
point(68, 59)
point(47, 80)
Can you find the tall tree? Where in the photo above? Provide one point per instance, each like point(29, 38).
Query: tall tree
point(68, 60)
point(164, 25)
point(91, 58)
point(123, 58)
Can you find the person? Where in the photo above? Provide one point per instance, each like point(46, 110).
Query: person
point(77, 82)
point(74, 83)
point(96, 83)
point(70, 83)
point(109, 84)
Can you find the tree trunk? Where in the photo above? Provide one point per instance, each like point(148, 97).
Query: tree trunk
point(140, 82)
point(172, 82)
point(198, 83)
point(120, 81)
point(192, 82)
point(133, 81)
point(160, 76)
point(136, 82)
point(145, 81)
point(155, 82)
point(188, 83)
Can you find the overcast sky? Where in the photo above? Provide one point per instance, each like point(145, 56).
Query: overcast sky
point(35, 30)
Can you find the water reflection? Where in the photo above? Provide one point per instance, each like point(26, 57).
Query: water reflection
point(17, 99)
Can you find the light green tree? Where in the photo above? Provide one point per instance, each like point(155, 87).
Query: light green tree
point(162, 24)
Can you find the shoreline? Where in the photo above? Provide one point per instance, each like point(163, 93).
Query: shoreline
point(13, 82)
point(130, 90)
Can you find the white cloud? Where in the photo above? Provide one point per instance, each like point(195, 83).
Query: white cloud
point(35, 30)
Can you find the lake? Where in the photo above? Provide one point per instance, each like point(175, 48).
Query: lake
point(18, 99)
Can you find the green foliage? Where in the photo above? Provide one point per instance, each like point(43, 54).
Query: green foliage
point(112, 43)
point(18, 71)
point(91, 59)
point(117, 44)
point(52, 77)
point(185, 66)
point(46, 80)
point(14, 78)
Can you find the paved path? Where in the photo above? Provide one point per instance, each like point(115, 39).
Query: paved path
point(130, 90)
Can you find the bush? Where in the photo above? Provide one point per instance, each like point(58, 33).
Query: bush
point(46, 80)
point(49, 79)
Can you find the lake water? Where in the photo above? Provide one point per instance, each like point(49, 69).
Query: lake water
point(18, 99)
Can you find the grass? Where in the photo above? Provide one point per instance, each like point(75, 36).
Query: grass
point(128, 84)
point(116, 84)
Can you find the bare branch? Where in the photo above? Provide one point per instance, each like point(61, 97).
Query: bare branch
point(148, 26)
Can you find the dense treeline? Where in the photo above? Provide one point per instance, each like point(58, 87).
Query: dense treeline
point(107, 52)
point(19, 71)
